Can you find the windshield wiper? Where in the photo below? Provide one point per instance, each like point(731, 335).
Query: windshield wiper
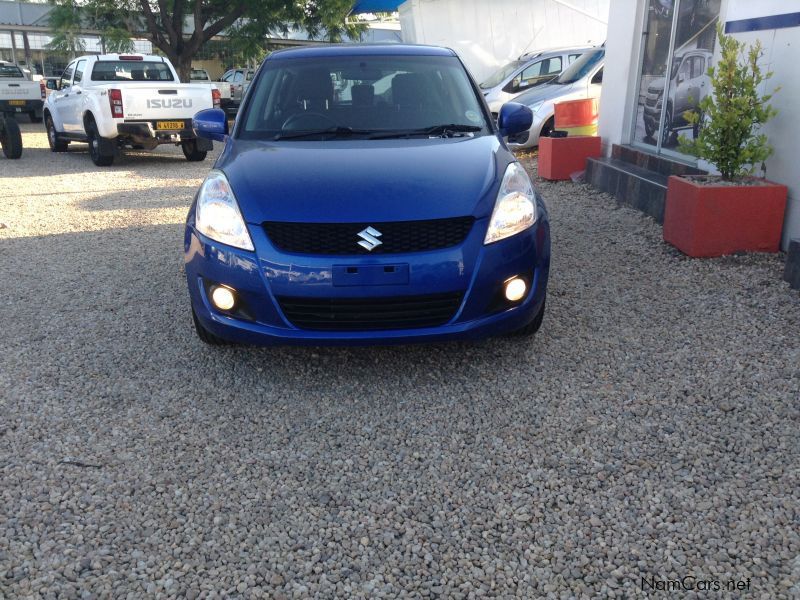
point(334, 131)
point(437, 130)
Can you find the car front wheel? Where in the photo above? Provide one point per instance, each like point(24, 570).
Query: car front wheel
point(56, 144)
point(10, 138)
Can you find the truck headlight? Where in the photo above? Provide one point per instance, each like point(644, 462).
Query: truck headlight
point(218, 216)
point(515, 207)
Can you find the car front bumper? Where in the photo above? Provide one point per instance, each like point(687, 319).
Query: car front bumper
point(261, 277)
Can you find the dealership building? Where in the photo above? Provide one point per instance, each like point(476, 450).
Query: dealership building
point(660, 49)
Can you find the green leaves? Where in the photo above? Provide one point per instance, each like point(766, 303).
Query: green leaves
point(731, 116)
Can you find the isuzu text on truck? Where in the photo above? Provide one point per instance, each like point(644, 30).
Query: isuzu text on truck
point(112, 101)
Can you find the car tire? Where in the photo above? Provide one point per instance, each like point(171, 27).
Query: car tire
point(99, 158)
point(534, 326)
point(205, 335)
point(34, 118)
point(56, 144)
point(11, 138)
point(666, 132)
point(191, 152)
point(547, 128)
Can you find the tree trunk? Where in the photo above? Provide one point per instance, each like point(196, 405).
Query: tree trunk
point(183, 64)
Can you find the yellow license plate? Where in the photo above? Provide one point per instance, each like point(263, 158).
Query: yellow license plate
point(17, 102)
point(170, 125)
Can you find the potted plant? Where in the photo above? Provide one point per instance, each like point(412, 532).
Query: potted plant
point(712, 215)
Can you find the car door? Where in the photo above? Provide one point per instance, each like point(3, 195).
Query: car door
point(60, 97)
point(73, 101)
point(237, 83)
point(683, 85)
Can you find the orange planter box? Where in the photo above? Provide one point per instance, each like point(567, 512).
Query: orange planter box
point(713, 220)
point(560, 157)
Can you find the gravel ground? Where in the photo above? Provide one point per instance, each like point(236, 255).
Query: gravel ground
point(649, 430)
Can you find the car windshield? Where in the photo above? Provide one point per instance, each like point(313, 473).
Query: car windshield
point(582, 66)
point(501, 74)
point(369, 96)
point(131, 70)
point(11, 71)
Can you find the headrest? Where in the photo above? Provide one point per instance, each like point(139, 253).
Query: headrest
point(315, 86)
point(363, 95)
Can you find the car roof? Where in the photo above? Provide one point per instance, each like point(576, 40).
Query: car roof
point(362, 50)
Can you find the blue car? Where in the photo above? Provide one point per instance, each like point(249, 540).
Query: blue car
point(365, 196)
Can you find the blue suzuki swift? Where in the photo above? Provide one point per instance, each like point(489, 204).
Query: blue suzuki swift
point(365, 196)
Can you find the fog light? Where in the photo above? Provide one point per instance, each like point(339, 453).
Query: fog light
point(516, 289)
point(223, 298)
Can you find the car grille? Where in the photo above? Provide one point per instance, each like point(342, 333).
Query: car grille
point(342, 238)
point(365, 314)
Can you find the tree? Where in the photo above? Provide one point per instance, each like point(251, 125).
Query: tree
point(730, 117)
point(180, 28)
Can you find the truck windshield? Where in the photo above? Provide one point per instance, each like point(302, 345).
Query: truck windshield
point(582, 66)
point(131, 70)
point(10, 71)
point(370, 96)
point(198, 75)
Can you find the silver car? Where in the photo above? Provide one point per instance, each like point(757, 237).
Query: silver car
point(530, 70)
point(582, 79)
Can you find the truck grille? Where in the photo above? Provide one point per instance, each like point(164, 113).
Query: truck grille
point(369, 314)
point(342, 238)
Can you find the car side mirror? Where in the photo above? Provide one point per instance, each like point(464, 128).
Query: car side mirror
point(514, 118)
point(681, 78)
point(211, 124)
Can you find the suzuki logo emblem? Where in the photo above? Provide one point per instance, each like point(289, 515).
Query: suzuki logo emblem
point(369, 238)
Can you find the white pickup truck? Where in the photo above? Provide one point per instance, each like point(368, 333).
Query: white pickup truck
point(18, 94)
point(116, 100)
point(201, 76)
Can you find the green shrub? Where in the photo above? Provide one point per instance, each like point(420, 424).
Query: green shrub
point(730, 118)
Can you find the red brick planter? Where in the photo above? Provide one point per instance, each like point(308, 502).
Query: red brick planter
point(560, 157)
point(712, 220)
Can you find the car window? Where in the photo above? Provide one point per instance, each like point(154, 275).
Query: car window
point(572, 58)
point(698, 66)
point(598, 77)
point(79, 71)
point(198, 75)
point(501, 74)
point(66, 77)
point(131, 70)
point(227, 76)
point(374, 94)
point(249, 75)
point(10, 71)
point(238, 77)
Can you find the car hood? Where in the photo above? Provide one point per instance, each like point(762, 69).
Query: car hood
point(657, 85)
point(364, 180)
point(545, 92)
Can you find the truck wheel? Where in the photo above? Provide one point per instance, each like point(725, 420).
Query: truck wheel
point(34, 117)
point(666, 132)
point(191, 152)
point(56, 144)
point(10, 138)
point(95, 147)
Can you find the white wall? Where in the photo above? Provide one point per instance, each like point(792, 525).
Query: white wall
point(487, 35)
point(782, 57)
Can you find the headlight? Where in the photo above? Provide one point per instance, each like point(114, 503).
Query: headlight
point(515, 207)
point(218, 216)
